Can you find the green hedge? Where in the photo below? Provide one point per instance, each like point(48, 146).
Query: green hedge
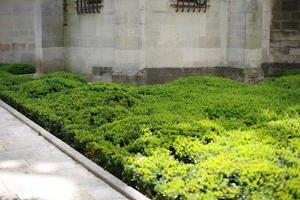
point(194, 138)
point(292, 72)
point(18, 69)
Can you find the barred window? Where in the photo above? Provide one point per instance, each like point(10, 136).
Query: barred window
point(88, 6)
point(190, 5)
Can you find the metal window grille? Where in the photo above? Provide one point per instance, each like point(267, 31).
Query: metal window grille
point(191, 5)
point(88, 6)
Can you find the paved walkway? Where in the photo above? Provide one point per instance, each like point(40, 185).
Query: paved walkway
point(33, 169)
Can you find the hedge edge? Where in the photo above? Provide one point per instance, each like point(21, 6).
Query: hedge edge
point(98, 171)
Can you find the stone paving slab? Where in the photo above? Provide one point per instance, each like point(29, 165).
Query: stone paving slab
point(9, 197)
point(32, 168)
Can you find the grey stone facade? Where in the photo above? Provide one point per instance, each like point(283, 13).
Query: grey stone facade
point(147, 42)
point(284, 46)
point(17, 34)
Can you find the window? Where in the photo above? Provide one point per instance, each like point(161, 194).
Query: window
point(190, 5)
point(88, 6)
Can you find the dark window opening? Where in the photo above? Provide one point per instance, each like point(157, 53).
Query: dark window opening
point(88, 6)
point(191, 5)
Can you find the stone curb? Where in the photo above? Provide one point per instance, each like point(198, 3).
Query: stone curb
point(98, 171)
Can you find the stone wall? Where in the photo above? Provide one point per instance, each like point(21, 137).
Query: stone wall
point(102, 43)
point(148, 42)
point(185, 39)
point(31, 31)
point(284, 49)
point(17, 31)
point(129, 40)
point(49, 38)
point(227, 38)
point(89, 39)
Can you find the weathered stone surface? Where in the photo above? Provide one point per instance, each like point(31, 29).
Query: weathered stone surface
point(277, 69)
point(253, 75)
point(290, 25)
point(165, 75)
point(285, 32)
point(16, 30)
point(133, 78)
point(102, 74)
point(294, 52)
point(289, 5)
point(5, 47)
point(133, 36)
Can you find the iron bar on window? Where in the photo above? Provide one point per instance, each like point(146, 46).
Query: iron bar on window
point(188, 5)
point(88, 6)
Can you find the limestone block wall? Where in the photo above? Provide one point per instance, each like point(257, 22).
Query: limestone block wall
point(106, 42)
point(147, 42)
point(253, 41)
point(185, 43)
point(285, 31)
point(284, 43)
point(224, 41)
point(31, 31)
point(236, 33)
point(185, 39)
point(49, 54)
point(17, 31)
point(134, 41)
point(89, 38)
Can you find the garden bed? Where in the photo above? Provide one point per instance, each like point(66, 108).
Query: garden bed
point(195, 138)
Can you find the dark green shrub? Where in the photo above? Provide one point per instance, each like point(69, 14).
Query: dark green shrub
point(9, 81)
point(290, 82)
point(41, 87)
point(18, 68)
point(65, 75)
point(194, 138)
point(292, 72)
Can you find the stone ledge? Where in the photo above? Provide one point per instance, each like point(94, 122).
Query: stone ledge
point(108, 178)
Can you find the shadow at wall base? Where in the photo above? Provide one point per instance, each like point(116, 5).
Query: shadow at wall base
point(150, 76)
point(277, 69)
point(165, 75)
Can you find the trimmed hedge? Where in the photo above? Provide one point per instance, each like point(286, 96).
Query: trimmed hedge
point(292, 72)
point(195, 138)
point(11, 82)
point(18, 69)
